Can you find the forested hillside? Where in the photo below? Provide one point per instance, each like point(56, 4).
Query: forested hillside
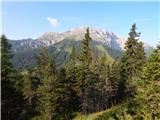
point(88, 86)
point(60, 52)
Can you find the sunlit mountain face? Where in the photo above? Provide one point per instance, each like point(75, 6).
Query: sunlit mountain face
point(77, 34)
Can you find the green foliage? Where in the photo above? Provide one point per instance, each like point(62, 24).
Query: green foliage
point(63, 94)
point(131, 62)
point(11, 99)
point(115, 113)
point(6, 55)
point(47, 96)
point(28, 84)
point(37, 118)
point(90, 82)
point(71, 72)
point(148, 97)
point(85, 81)
point(134, 56)
point(92, 116)
point(114, 74)
point(102, 83)
point(85, 56)
point(145, 104)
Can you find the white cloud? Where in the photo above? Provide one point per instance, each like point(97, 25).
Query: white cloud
point(53, 21)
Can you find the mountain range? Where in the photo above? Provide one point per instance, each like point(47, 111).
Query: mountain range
point(60, 45)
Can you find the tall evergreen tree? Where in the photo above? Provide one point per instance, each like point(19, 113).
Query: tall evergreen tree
point(71, 67)
point(84, 75)
point(101, 84)
point(131, 62)
point(63, 95)
point(134, 56)
point(114, 78)
point(47, 90)
point(149, 89)
point(12, 100)
point(145, 105)
point(6, 56)
point(71, 71)
point(28, 85)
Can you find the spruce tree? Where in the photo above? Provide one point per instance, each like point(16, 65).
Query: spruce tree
point(71, 71)
point(71, 67)
point(6, 56)
point(114, 80)
point(85, 56)
point(84, 75)
point(131, 62)
point(47, 97)
point(145, 104)
point(11, 99)
point(63, 94)
point(148, 97)
point(28, 84)
point(134, 56)
point(101, 84)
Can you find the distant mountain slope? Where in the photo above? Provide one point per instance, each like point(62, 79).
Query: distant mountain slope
point(60, 45)
point(25, 44)
point(61, 52)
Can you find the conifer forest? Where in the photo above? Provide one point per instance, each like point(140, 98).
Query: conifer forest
point(127, 88)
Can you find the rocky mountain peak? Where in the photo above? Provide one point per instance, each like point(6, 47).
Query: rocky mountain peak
point(98, 35)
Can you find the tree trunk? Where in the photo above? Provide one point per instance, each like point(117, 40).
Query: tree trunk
point(50, 115)
point(66, 116)
point(123, 115)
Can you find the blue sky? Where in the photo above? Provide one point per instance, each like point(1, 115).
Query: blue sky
point(31, 19)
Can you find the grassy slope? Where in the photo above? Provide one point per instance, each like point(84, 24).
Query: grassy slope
point(104, 51)
point(94, 115)
point(104, 115)
point(88, 117)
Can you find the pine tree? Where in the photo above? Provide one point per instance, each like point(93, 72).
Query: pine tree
point(12, 99)
point(47, 90)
